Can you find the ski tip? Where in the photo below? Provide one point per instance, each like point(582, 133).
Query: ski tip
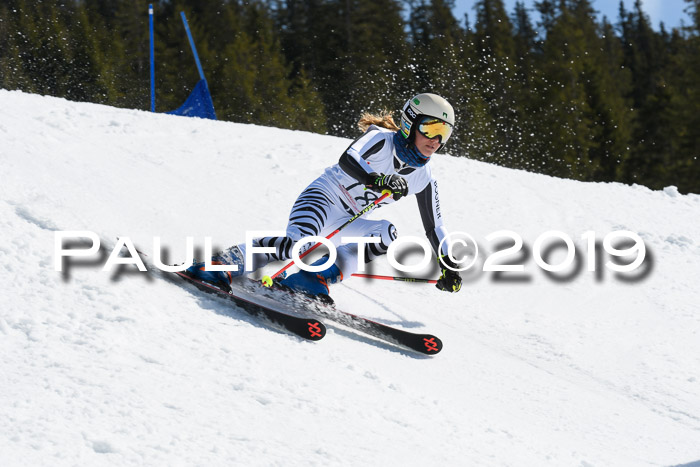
point(431, 345)
point(316, 330)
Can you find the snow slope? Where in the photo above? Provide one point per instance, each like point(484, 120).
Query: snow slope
point(121, 368)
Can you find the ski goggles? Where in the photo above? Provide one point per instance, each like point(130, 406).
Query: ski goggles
point(432, 127)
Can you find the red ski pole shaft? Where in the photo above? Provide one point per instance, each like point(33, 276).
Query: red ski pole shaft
point(267, 280)
point(396, 278)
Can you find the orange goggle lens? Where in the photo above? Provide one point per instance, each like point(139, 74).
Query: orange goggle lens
point(433, 127)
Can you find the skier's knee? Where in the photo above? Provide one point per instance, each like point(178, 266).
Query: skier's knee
point(386, 231)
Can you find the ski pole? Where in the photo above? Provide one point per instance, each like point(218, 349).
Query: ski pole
point(267, 280)
point(396, 278)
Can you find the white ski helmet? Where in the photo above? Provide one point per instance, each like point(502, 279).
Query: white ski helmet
point(426, 105)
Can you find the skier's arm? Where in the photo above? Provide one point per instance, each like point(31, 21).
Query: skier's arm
point(354, 159)
point(429, 208)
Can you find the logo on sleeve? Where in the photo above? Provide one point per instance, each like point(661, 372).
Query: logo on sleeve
point(437, 201)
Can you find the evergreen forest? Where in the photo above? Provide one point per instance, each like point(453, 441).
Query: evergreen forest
point(549, 89)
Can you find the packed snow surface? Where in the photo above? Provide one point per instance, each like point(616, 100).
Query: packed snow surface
point(120, 367)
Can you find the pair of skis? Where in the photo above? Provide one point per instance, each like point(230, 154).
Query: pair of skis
point(282, 311)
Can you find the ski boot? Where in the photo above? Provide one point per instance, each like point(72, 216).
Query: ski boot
point(221, 279)
point(314, 284)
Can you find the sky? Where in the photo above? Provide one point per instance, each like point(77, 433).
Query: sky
point(670, 12)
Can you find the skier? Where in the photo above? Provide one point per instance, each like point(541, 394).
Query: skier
point(385, 157)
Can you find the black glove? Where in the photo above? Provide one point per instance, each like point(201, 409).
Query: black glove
point(394, 183)
point(449, 281)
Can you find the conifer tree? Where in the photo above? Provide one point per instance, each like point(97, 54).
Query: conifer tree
point(12, 74)
point(527, 153)
point(684, 79)
point(310, 113)
point(645, 56)
point(435, 40)
point(41, 45)
point(525, 43)
point(352, 50)
point(496, 78)
point(128, 28)
point(548, 14)
point(613, 105)
point(443, 61)
point(368, 70)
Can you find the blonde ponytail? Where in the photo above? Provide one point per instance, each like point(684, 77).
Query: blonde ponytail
point(384, 120)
